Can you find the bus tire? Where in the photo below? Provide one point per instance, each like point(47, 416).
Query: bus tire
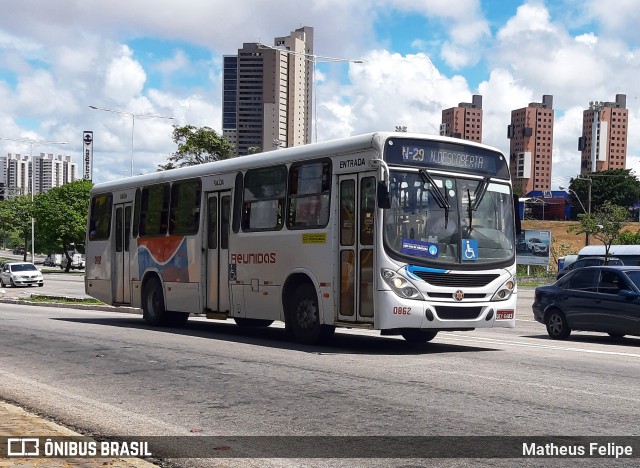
point(252, 323)
point(304, 317)
point(153, 310)
point(416, 335)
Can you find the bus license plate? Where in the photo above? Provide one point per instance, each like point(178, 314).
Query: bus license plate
point(504, 315)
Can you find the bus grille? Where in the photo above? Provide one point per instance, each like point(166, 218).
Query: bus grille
point(458, 313)
point(455, 280)
point(448, 295)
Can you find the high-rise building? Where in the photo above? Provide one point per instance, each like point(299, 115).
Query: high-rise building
point(530, 149)
point(48, 171)
point(271, 88)
point(464, 121)
point(603, 143)
point(230, 98)
point(52, 171)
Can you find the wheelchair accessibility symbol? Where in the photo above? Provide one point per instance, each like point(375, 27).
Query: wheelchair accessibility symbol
point(469, 249)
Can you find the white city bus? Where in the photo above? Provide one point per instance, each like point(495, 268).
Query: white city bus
point(405, 233)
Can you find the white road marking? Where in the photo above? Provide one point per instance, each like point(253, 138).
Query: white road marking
point(467, 338)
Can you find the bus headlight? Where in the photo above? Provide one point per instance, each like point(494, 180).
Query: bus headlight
point(400, 285)
point(505, 291)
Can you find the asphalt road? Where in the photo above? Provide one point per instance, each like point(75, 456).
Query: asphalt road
point(109, 374)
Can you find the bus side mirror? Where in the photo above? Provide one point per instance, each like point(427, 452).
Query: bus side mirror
point(516, 214)
point(384, 198)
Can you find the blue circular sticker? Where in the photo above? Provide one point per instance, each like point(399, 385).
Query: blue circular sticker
point(433, 250)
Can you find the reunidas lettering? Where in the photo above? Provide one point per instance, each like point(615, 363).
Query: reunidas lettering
point(255, 258)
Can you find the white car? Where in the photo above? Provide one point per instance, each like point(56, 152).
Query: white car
point(20, 274)
point(536, 246)
point(77, 262)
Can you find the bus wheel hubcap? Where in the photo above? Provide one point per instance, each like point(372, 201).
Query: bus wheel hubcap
point(306, 314)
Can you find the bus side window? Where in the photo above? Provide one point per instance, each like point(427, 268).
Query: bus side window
point(265, 190)
point(154, 210)
point(100, 220)
point(184, 216)
point(309, 195)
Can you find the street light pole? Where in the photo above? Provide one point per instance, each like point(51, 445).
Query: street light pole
point(32, 179)
point(586, 210)
point(133, 122)
point(589, 180)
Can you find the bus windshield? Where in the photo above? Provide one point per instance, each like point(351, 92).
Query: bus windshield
point(441, 221)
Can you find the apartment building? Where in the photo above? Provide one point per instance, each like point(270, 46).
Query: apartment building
point(603, 144)
point(463, 121)
point(531, 143)
point(267, 93)
point(48, 171)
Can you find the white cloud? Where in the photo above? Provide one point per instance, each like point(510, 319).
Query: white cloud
point(389, 90)
point(530, 17)
point(124, 78)
point(617, 17)
point(179, 61)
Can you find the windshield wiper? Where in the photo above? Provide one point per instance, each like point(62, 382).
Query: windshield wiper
point(440, 199)
point(470, 210)
point(480, 192)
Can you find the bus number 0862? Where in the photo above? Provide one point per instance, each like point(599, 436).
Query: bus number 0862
point(402, 310)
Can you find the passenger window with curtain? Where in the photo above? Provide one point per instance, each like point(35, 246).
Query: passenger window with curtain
point(184, 216)
point(309, 195)
point(154, 210)
point(263, 202)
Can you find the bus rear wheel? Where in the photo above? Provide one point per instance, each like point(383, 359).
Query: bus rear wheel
point(415, 335)
point(303, 321)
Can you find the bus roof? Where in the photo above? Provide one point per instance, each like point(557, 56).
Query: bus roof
point(374, 140)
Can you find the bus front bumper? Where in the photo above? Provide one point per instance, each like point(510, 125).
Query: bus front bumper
point(395, 312)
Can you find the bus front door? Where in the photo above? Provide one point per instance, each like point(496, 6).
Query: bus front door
point(356, 224)
point(217, 247)
point(121, 260)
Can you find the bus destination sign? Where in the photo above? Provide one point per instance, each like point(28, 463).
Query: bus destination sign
point(441, 155)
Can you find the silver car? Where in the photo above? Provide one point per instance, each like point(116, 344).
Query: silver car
point(20, 274)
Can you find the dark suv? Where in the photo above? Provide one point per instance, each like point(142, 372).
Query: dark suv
point(588, 261)
point(18, 250)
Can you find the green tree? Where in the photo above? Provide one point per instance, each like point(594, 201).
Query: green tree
point(61, 217)
point(196, 146)
point(629, 238)
point(616, 186)
point(604, 224)
point(15, 214)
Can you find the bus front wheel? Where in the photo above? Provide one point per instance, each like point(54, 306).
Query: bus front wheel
point(304, 317)
point(153, 310)
point(415, 335)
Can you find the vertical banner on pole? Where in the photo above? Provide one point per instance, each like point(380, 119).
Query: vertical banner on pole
point(87, 157)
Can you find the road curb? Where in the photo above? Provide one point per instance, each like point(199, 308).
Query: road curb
point(71, 305)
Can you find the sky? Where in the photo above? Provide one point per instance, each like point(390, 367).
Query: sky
point(164, 58)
